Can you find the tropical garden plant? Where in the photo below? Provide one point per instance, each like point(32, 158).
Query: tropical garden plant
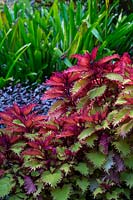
point(37, 41)
point(83, 148)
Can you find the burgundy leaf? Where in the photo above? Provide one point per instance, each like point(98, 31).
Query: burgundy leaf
point(83, 60)
point(107, 59)
point(52, 94)
point(5, 117)
point(65, 134)
point(76, 68)
point(16, 109)
point(33, 144)
point(32, 152)
point(38, 118)
point(27, 109)
point(94, 53)
point(104, 143)
point(119, 163)
point(113, 176)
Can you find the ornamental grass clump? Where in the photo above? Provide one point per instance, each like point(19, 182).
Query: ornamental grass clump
point(83, 147)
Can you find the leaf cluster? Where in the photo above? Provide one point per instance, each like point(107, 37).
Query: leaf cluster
point(83, 147)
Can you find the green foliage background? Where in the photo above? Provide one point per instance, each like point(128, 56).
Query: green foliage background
point(39, 39)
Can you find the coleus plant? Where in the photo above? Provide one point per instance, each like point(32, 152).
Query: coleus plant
point(83, 147)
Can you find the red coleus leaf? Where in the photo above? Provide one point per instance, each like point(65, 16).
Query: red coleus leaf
point(38, 118)
point(28, 123)
point(14, 138)
point(129, 101)
point(16, 109)
point(72, 77)
point(51, 94)
point(5, 116)
point(32, 152)
point(27, 109)
point(33, 144)
point(107, 59)
point(123, 65)
point(65, 134)
point(6, 140)
point(126, 58)
point(94, 53)
point(58, 112)
point(50, 127)
point(95, 118)
point(83, 60)
point(17, 129)
point(29, 185)
point(57, 79)
point(77, 69)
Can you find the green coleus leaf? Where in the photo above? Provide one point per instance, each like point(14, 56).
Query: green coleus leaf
point(97, 92)
point(86, 132)
point(61, 153)
point(75, 147)
point(82, 183)
point(120, 101)
point(128, 178)
point(82, 168)
point(125, 128)
point(65, 168)
point(32, 164)
point(20, 181)
point(18, 147)
point(81, 102)
point(131, 113)
point(40, 188)
point(111, 116)
point(97, 191)
point(122, 146)
point(18, 196)
point(6, 185)
point(31, 136)
point(97, 158)
point(52, 178)
point(90, 140)
point(120, 116)
point(80, 84)
point(129, 161)
point(18, 122)
point(115, 194)
point(62, 193)
point(114, 77)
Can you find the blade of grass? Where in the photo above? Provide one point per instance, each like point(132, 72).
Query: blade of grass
point(18, 54)
point(6, 35)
